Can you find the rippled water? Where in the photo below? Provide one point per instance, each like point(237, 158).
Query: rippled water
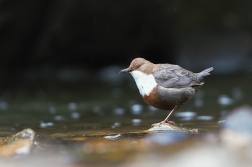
point(98, 107)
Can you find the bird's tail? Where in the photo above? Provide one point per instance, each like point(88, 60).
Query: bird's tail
point(204, 73)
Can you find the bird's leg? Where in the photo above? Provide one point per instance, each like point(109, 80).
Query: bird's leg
point(166, 120)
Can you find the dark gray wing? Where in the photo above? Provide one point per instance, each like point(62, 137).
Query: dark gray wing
point(173, 76)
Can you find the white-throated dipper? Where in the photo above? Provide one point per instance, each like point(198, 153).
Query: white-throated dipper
point(165, 86)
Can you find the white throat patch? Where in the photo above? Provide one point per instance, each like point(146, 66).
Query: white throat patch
point(145, 83)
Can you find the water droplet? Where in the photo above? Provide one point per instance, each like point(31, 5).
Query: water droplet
point(75, 115)
point(97, 110)
point(205, 117)
point(72, 106)
point(185, 114)
point(50, 124)
point(58, 118)
point(52, 110)
point(116, 124)
point(119, 111)
point(186, 118)
point(198, 102)
point(136, 122)
point(136, 109)
point(225, 100)
point(3, 105)
point(46, 124)
point(43, 125)
point(221, 121)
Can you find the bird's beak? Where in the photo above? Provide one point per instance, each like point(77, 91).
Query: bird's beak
point(124, 70)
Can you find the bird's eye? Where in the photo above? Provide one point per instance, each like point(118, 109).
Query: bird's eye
point(138, 66)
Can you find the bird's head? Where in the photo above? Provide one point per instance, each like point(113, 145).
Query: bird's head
point(135, 65)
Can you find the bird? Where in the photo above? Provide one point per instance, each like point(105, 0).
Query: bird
point(165, 86)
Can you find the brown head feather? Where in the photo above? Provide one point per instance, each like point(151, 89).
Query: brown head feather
point(140, 64)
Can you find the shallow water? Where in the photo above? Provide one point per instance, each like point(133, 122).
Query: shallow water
point(72, 107)
point(60, 111)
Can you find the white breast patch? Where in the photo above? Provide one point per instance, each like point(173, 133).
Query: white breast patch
point(145, 83)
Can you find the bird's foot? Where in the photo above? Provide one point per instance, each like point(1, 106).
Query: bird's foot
point(158, 124)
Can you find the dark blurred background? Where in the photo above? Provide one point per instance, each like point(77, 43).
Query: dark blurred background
point(39, 37)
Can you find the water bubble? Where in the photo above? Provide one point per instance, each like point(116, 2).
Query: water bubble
point(97, 110)
point(185, 114)
point(116, 124)
point(119, 111)
point(52, 110)
point(3, 105)
point(186, 118)
point(136, 109)
point(46, 124)
point(198, 102)
point(221, 121)
point(72, 106)
point(225, 100)
point(75, 115)
point(205, 117)
point(58, 118)
point(136, 122)
point(49, 124)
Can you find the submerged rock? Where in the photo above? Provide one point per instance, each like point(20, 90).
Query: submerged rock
point(19, 143)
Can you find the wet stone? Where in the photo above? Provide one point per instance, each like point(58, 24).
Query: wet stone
point(164, 127)
point(19, 143)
